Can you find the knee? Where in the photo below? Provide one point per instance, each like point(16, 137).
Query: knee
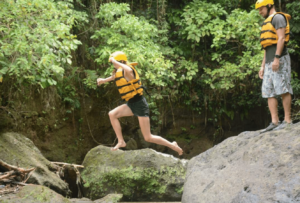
point(148, 138)
point(111, 114)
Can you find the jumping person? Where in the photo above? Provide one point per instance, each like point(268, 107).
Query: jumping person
point(276, 66)
point(131, 90)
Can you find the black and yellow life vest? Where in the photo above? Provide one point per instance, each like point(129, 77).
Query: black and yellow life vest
point(128, 89)
point(268, 34)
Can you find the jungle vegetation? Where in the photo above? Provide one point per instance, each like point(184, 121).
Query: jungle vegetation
point(200, 54)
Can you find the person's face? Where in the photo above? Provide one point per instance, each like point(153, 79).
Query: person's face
point(263, 11)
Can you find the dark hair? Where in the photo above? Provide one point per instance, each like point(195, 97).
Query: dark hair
point(124, 62)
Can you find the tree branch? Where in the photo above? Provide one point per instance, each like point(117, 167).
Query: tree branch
point(11, 167)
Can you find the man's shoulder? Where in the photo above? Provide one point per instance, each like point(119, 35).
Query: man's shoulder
point(279, 17)
point(279, 21)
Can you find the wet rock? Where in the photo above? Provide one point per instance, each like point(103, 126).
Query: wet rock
point(17, 150)
point(140, 175)
point(250, 167)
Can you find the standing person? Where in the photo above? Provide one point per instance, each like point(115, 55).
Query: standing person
point(276, 65)
point(131, 90)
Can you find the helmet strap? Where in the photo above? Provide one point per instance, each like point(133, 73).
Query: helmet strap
point(269, 9)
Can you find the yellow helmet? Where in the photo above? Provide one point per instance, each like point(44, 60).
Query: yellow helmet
point(261, 3)
point(119, 56)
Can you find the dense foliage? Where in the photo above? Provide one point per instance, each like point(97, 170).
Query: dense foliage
point(203, 55)
point(36, 39)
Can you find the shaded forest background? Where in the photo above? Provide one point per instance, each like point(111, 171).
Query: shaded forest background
point(198, 59)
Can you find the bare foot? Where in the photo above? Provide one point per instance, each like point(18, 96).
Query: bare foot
point(177, 148)
point(119, 145)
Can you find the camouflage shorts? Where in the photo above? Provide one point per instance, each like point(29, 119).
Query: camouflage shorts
point(277, 83)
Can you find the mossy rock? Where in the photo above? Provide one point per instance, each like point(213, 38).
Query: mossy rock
point(42, 194)
point(140, 175)
point(16, 149)
point(36, 194)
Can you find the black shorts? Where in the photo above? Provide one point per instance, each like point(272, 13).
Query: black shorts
point(139, 106)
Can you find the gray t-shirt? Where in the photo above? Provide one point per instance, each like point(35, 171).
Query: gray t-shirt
point(278, 21)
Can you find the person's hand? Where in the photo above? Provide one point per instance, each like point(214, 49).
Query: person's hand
point(100, 81)
point(111, 59)
point(261, 73)
point(275, 65)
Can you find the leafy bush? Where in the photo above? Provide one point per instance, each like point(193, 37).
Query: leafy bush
point(36, 41)
point(134, 36)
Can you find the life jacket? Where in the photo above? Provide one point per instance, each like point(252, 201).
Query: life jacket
point(128, 89)
point(268, 34)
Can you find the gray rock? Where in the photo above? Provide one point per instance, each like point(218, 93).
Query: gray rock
point(17, 150)
point(140, 175)
point(248, 168)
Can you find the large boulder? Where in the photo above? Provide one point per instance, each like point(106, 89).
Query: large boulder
point(140, 175)
point(248, 168)
point(16, 149)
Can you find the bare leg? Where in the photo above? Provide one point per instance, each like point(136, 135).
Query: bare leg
point(145, 128)
point(273, 104)
point(118, 112)
point(286, 102)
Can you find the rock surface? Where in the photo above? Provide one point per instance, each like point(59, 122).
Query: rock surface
point(111, 198)
point(34, 193)
point(17, 150)
point(248, 168)
point(42, 194)
point(140, 175)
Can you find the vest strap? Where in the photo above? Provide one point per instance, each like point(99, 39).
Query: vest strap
point(262, 39)
point(130, 91)
point(266, 22)
point(119, 87)
point(267, 31)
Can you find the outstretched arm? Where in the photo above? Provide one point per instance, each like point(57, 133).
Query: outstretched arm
point(104, 80)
